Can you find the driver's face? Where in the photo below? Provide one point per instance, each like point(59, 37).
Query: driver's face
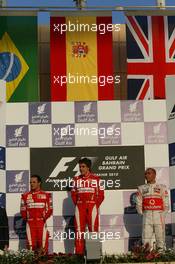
point(34, 184)
point(150, 175)
point(83, 168)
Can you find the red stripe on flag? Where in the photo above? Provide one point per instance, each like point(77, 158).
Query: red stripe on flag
point(57, 59)
point(104, 59)
point(172, 48)
point(159, 56)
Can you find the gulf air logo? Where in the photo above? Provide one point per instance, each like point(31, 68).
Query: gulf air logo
point(113, 221)
point(13, 67)
point(41, 109)
point(18, 177)
point(133, 107)
point(156, 128)
point(18, 131)
point(87, 108)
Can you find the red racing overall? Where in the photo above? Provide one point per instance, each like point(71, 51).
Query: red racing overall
point(36, 208)
point(87, 195)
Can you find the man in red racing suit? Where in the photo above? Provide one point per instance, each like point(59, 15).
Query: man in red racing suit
point(87, 195)
point(153, 203)
point(36, 208)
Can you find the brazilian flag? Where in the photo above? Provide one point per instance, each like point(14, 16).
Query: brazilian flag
point(19, 57)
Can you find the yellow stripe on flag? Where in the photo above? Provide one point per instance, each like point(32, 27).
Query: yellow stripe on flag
point(7, 45)
point(82, 66)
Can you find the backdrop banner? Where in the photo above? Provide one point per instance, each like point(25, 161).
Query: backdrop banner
point(119, 167)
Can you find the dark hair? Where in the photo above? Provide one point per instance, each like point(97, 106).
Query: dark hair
point(152, 169)
point(85, 161)
point(36, 176)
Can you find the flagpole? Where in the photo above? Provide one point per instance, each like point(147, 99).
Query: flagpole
point(80, 4)
point(161, 4)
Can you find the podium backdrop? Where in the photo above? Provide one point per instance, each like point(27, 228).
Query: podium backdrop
point(38, 139)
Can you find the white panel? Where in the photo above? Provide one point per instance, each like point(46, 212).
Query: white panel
point(14, 244)
point(2, 181)
point(2, 131)
point(109, 111)
point(170, 93)
point(2, 91)
point(154, 110)
point(116, 207)
point(2, 112)
point(163, 176)
point(86, 134)
point(113, 246)
point(17, 159)
point(17, 113)
point(62, 112)
point(156, 155)
point(40, 136)
point(132, 134)
point(13, 203)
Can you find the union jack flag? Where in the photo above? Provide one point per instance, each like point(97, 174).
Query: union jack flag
point(150, 55)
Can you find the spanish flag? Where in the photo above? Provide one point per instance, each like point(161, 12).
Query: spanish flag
point(81, 58)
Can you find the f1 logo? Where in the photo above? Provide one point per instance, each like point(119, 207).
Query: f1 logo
point(63, 166)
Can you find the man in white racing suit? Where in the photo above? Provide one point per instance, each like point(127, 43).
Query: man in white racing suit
point(153, 203)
